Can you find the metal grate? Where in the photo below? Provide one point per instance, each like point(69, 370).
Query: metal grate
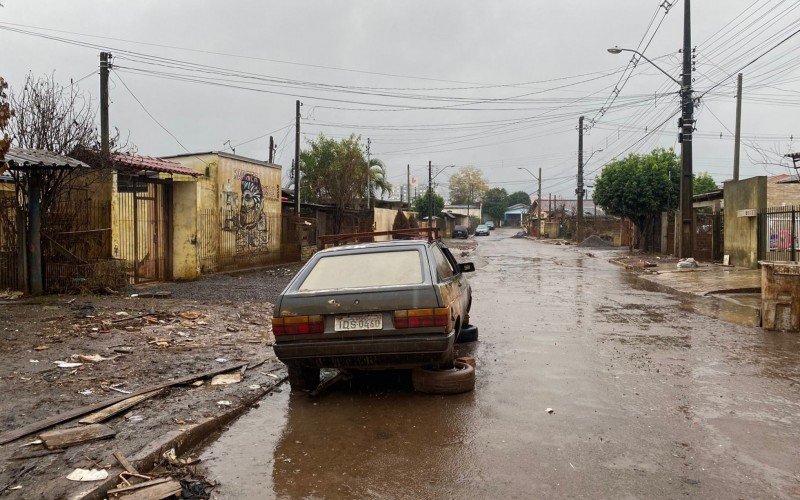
point(779, 233)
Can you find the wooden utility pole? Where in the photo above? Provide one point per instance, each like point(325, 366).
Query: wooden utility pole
point(737, 143)
point(430, 196)
point(105, 147)
point(369, 181)
point(539, 207)
point(297, 159)
point(408, 185)
point(271, 149)
point(579, 191)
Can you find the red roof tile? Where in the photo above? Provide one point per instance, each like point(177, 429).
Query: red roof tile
point(150, 164)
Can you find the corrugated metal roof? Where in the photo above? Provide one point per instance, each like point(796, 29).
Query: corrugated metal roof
point(20, 159)
point(151, 164)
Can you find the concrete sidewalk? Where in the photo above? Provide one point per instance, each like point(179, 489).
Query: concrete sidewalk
point(728, 293)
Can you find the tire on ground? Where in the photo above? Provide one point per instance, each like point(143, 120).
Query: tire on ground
point(456, 380)
point(468, 333)
point(303, 377)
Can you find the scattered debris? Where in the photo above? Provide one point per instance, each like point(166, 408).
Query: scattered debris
point(64, 438)
point(198, 383)
point(134, 419)
point(520, 234)
point(191, 315)
point(254, 387)
point(90, 358)
point(645, 263)
point(41, 347)
point(123, 350)
point(123, 461)
point(152, 295)
point(330, 382)
point(10, 295)
point(226, 378)
point(88, 475)
point(550, 411)
point(224, 402)
point(221, 360)
point(687, 263)
point(86, 392)
point(34, 360)
point(115, 388)
point(66, 364)
point(117, 408)
point(12, 435)
point(594, 241)
point(31, 443)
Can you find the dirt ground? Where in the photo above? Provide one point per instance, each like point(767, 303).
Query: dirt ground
point(217, 321)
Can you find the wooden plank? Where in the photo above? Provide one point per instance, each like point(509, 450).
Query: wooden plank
point(64, 438)
point(114, 409)
point(134, 487)
point(8, 436)
point(124, 463)
point(154, 492)
point(33, 454)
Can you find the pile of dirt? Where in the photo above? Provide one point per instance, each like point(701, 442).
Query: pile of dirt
point(595, 241)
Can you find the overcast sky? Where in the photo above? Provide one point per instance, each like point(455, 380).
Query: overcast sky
point(497, 85)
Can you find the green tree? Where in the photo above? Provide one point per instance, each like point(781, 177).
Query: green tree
point(703, 183)
point(640, 187)
point(519, 197)
point(422, 207)
point(336, 172)
point(467, 186)
point(495, 203)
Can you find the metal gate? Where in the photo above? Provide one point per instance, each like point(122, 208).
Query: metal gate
point(145, 229)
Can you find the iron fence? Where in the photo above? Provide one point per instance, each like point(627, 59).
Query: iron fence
point(229, 239)
point(9, 245)
point(778, 233)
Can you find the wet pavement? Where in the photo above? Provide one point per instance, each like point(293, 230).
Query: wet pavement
point(650, 400)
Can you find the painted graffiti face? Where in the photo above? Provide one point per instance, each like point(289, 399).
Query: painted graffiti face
point(251, 208)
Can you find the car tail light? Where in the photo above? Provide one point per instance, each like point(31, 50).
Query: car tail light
point(298, 325)
point(421, 318)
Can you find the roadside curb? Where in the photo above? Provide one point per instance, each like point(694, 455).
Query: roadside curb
point(150, 456)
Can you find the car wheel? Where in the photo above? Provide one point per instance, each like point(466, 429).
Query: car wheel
point(303, 378)
point(460, 378)
point(468, 333)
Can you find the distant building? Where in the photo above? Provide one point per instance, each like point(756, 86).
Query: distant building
point(515, 214)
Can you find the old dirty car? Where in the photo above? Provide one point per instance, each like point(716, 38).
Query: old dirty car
point(398, 304)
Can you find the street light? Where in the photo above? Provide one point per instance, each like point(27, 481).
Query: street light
point(618, 50)
point(686, 124)
point(539, 202)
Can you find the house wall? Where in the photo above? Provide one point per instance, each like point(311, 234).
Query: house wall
point(185, 258)
point(741, 233)
point(238, 211)
point(384, 221)
point(783, 194)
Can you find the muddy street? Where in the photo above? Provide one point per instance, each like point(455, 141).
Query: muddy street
point(649, 399)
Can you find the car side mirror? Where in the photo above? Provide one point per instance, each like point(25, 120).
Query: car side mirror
point(466, 267)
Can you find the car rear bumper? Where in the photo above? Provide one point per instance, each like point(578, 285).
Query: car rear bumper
point(377, 352)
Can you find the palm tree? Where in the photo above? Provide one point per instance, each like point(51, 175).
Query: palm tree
point(377, 178)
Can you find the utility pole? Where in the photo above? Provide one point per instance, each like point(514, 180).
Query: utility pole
point(271, 149)
point(430, 198)
point(105, 148)
point(579, 191)
point(297, 159)
point(369, 187)
point(737, 143)
point(408, 185)
point(539, 207)
point(686, 248)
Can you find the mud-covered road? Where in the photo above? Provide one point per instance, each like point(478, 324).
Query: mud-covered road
point(649, 400)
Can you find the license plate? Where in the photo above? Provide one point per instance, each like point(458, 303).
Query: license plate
point(358, 322)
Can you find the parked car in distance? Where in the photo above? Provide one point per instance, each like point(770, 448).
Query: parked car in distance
point(482, 230)
point(489, 224)
point(396, 304)
point(460, 232)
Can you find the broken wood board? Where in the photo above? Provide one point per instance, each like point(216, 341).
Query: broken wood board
point(33, 454)
point(64, 438)
point(227, 378)
point(149, 490)
point(114, 409)
point(125, 463)
point(8, 436)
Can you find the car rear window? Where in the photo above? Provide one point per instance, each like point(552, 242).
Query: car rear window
point(365, 270)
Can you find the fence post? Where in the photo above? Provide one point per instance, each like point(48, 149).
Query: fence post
point(794, 234)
